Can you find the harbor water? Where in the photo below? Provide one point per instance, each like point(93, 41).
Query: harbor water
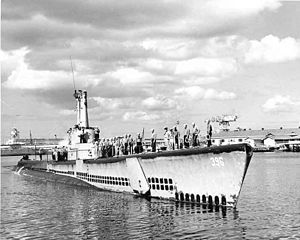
point(268, 208)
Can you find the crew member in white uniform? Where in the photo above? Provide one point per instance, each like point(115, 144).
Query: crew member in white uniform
point(167, 137)
point(176, 137)
point(195, 134)
point(209, 133)
point(153, 140)
point(186, 136)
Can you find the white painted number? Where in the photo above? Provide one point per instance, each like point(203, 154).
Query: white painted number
point(217, 161)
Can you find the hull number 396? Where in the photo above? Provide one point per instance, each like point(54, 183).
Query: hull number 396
point(217, 161)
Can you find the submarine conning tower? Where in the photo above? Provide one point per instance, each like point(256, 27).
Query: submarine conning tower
point(82, 137)
point(82, 109)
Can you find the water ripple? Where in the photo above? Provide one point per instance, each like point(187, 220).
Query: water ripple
point(35, 208)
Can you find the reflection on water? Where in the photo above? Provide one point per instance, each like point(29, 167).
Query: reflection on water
point(268, 208)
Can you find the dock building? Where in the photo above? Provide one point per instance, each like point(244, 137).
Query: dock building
point(271, 138)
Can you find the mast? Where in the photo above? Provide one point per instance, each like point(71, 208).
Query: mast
point(84, 113)
point(78, 105)
point(81, 108)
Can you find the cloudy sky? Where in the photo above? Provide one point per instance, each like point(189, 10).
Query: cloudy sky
point(149, 63)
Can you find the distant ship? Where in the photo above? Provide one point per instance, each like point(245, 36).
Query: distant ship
point(17, 146)
point(207, 175)
point(14, 147)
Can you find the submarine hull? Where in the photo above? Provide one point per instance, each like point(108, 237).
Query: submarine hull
point(211, 175)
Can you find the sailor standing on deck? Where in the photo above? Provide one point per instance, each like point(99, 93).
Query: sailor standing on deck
point(195, 134)
point(120, 141)
point(125, 143)
point(117, 146)
point(113, 149)
point(167, 137)
point(81, 135)
point(186, 136)
point(59, 154)
point(176, 138)
point(209, 133)
point(139, 146)
point(54, 153)
point(110, 147)
point(64, 153)
point(101, 147)
point(172, 139)
point(69, 132)
point(97, 134)
point(96, 145)
point(105, 148)
point(41, 153)
point(130, 143)
point(153, 140)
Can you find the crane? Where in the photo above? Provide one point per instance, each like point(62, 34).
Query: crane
point(224, 121)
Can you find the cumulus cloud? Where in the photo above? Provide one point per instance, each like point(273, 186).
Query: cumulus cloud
point(131, 76)
point(159, 102)
point(280, 103)
point(219, 55)
point(196, 92)
point(272, 49)
point(237, 8)
point(18, 74)
point(11, 60)
point(23, 77)
point(171, 48)
point(206, 67)
point(67, 112)
point(158, 67)
point(139, 115)
point(111, 104)
point(201, 80)
point(155, 42)
point(166, 18)
point(176, 49)
point(126, 53)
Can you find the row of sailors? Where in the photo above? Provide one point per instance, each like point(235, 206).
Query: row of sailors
point(126, 145)
point(190, 138)
point(59, 154)
point(118, 146)
point(85, 135)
